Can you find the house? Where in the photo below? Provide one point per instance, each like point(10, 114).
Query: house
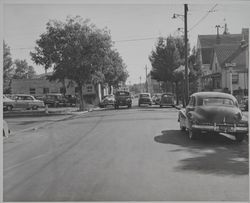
point(40, 86)
point(224, 58)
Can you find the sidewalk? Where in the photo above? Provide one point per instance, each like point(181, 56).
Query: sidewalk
point(50, 112)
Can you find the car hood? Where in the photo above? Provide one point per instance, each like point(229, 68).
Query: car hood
point(218, 114)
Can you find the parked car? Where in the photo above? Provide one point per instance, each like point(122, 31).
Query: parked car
point(167, 99)
point(123, 98)
point(6, 130)
point(71, 100)
point(27, 101)
point(144, 98)
point(8, 103)
point(156, 98)
point(55, 99)
point(244, 104)
point(213, 112)
point(107, 100)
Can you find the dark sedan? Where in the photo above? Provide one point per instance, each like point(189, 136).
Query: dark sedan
point(145, 98)
point(213, 112)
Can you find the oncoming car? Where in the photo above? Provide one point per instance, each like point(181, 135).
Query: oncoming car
point(214, 112)
point(144, 98)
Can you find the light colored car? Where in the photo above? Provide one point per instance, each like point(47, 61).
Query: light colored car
point(6, 130)
point(107, 100)
point(8, 103)
point(214, 112)
point(27, 102)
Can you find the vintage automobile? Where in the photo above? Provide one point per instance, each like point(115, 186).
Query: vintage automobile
point(214, 112)
point(27, 101)
point(123, 98)
point(108, 100)
point(144, 98)
point(167, 99)
point(55, 99)
point(8, 103)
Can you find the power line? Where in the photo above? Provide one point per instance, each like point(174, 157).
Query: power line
point(208, 12)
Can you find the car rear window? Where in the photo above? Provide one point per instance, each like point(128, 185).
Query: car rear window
point(144, 95)
point(217, 101)
point(122, 93)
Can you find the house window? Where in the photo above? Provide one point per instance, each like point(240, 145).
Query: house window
point(32, 91)
point(45, 90)
point(235, 78)
point(89, 88)
point(76, 89)
point(62, 90)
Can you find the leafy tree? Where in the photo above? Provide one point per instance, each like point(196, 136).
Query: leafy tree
point(165, 59)
point(23, 70)
point(75, 49)
point(7, 68)
point(115, 70)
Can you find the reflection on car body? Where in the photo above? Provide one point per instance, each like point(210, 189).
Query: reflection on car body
point(213, 112)
point(6, 130)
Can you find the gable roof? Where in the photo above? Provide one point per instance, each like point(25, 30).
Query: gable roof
point(225, 51)
point(208, 41)
point(206, 54)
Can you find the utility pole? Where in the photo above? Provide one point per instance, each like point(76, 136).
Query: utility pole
point(146, 68)
point(140, 84)
point(186, 55)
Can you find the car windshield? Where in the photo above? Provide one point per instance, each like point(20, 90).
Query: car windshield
point(122, 93)
point(144, 95)
point(216, 101)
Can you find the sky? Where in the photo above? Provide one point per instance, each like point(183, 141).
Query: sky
point(134, 27)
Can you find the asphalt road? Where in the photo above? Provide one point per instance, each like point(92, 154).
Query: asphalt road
point(136, 154)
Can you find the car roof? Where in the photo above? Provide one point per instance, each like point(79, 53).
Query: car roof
point(213, 94)
point(145, 93)
point(23, 95)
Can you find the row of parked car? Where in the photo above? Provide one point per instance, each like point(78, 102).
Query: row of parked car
point(124, 98)
point(26, 101)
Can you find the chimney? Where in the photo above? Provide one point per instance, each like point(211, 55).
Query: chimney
point(225, 30)
point(218, 35)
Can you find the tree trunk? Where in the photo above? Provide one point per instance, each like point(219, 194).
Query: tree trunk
point(177, 92)
point(81, 107)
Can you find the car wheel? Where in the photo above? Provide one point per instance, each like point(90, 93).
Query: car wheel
point(9, 107)
point(139, 104)
point(160, 106)
point(192, 134)
point(34, 107)
point(239, 137)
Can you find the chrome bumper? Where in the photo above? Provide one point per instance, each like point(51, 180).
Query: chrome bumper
point(223, 129)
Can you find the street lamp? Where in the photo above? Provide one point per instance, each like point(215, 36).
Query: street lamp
point(178, 16)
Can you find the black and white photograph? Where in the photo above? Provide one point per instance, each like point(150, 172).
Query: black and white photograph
point(138, 100)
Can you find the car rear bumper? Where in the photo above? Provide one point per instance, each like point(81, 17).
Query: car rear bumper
point(221, 129)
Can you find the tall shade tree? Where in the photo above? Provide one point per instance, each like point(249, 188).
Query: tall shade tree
point(75, 49)
point(115, 70)
point(165, 59)
point(23, 70)
point(7, 68)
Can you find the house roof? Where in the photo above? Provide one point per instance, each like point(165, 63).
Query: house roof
point(208, 41)
point(225, 51)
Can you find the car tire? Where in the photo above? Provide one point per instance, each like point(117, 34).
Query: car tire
point(129, 106)
point(160, 106)
point(9, 107)
point(183, 128)
point(139, 104)
point(34, 107)
point(239, 137)
point(192, 134)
